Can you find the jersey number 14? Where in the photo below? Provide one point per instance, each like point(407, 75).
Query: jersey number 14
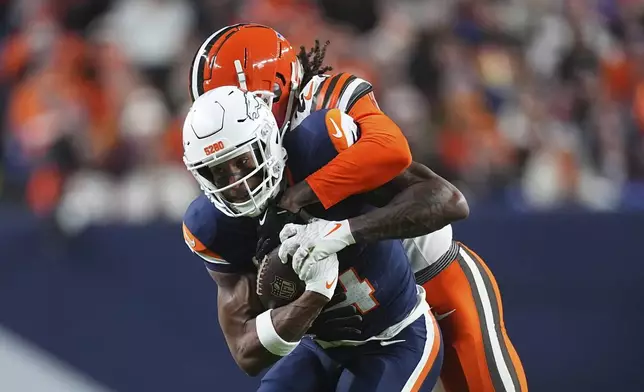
point(359, 292)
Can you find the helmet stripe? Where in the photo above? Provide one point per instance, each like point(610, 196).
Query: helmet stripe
point(199, 61)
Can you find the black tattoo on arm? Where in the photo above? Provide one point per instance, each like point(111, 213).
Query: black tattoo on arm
point(416, 203)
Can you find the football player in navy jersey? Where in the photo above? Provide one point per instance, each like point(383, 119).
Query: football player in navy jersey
point(418, 205)
point(238, 155)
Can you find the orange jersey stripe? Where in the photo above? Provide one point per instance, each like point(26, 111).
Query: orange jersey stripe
point(337, 90)
point(196, 245)
point(321, 93)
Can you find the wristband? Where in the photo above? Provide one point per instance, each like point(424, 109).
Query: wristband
point(269, 338)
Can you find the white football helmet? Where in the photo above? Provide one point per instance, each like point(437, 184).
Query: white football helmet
point(233, 147)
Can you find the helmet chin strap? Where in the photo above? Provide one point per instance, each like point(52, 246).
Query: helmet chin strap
point(296, 77)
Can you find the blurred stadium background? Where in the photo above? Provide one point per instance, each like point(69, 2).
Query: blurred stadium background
point(534, 108)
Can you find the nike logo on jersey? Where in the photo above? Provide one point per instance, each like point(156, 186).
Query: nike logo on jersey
point(309, 95)
point(263, 218)
point(337, 226)
point(338, 133)
point(442, 316)
point(330, 284)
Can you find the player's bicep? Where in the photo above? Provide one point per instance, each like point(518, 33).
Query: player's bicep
point(237, 303)
point(236, 295)
point(416, 173)
point(376, 126)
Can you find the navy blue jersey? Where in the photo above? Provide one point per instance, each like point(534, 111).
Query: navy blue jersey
point(377, 277)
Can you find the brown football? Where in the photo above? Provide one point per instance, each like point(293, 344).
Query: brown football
point(277, 283)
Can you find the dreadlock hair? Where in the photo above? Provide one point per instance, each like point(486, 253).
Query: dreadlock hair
point(312, 61)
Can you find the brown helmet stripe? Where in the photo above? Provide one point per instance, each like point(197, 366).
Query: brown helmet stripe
point(198, 66)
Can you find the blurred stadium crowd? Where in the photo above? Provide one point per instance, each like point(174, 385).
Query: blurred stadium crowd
point(524, 104)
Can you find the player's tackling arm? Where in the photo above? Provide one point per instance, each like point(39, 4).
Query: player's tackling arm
point(242, 321)
point(416, 203)
point(380, 154)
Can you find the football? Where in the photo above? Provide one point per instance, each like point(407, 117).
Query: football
point(277, 283)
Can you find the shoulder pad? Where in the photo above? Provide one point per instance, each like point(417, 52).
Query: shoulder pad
point(318, 140)
point(200, 229)
point(341, 91)
point(225, 244)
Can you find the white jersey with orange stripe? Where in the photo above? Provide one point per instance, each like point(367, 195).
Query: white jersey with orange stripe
point(342, 91)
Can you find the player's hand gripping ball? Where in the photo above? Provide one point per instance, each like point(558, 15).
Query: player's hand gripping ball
point(278, 285)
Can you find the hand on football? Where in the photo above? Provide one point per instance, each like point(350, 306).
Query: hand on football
point(322, 276)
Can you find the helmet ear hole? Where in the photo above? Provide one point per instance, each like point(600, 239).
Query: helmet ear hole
point(277, 88)
point(277, 92)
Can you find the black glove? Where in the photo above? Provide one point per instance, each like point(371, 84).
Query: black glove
point(270, 225)
point(344, 323)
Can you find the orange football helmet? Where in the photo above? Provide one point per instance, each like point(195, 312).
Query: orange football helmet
point(253, 57)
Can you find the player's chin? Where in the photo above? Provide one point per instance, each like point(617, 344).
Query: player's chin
point(239, 195)
point(237, 200)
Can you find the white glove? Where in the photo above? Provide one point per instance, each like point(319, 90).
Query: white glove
point(314, 241)
point(321, 276)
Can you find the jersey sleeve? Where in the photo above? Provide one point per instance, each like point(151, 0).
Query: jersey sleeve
point(341, 91)
point(379, 154)
point(202, 232)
